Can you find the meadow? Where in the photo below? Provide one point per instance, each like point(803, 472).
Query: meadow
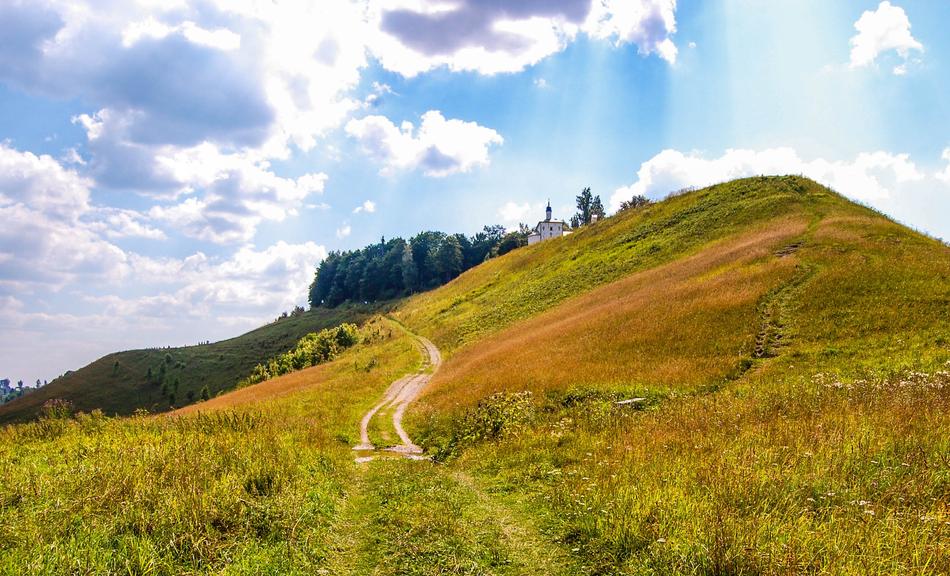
point(792, 381)
point(753, 378)
point(242, 484)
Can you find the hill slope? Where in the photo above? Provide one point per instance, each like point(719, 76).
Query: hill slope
point(753, 378)
point(787, 373)
point(118, 383)
point(692, 290)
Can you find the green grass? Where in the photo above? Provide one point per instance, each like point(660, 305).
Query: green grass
point(117, 383)
point(792, 350)
point(243, 488)
point(417, 518)
point(529, 281)
point(816, 442)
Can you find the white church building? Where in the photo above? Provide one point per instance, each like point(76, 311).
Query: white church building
point(548, 228)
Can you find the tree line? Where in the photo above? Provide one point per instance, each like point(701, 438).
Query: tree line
point(397, 267)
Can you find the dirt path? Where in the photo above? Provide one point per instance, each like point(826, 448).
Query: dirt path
point(398, 396)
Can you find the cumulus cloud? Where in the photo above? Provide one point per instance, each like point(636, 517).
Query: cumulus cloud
point(415, 36)
point(42, 184)
point(471, 35)
point(648, 24)
point(882, 30)
point(343, 231)
point(869, 177)
point(238, 194)
point(439, 147)
point(237, 292)
point(368, 206)
point(43, 239)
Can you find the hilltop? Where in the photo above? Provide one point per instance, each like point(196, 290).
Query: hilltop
point(751, 378)
point(121, 382)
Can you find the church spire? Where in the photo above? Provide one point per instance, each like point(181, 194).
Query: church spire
point(547, 211)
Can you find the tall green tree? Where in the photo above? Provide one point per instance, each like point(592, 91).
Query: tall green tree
point(597, 209)
point(449, 258)
point(584, 201)
point(588, 207)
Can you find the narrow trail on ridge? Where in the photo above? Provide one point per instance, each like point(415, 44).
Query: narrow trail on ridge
point(398, 397)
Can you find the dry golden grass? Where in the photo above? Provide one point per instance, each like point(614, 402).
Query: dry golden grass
point(678, 326)
point(272, 389)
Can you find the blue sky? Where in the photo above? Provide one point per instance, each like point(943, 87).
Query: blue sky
point(172, 172)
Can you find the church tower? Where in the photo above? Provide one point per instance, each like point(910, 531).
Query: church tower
point(547, 212)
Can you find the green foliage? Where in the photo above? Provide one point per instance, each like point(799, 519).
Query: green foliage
point(589, 208)
point(449, 258)
point(57, 409)
point(313, 349)
point(397, 268)
point(205, 394)
point(496, 416)
point(637, 201)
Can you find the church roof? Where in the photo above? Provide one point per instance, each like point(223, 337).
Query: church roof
point(564, 225)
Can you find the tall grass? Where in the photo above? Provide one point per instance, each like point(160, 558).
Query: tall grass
point(227, 485)
point(823, 450)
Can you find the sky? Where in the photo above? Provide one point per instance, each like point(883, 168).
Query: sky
point(172, 171)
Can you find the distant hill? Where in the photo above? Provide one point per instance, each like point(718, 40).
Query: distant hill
point(118, 383)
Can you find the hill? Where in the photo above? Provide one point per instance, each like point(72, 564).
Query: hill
point(687, 291)
point(119, 383)
point(752, 378)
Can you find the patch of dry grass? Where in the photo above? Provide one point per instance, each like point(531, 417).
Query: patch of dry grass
point(678, 326)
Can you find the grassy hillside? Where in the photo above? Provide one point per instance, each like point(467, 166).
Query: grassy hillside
point(529, 281)
point(233, 487)
point(118, 383)
point(793, 377)
point(785, 355)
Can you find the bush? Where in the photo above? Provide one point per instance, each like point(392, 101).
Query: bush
point(57, 409)
point(313, 349)
point(500, 415)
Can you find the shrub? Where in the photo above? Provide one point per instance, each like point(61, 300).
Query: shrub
point(313, 349)
point(57, 409)
point(497, 416)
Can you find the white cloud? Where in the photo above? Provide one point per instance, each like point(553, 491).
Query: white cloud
point(118, 223)
point(190, 299)
point(152, 29)
point(415, 36)
point(439, 147)
point(513, 213)
point(44, 240)
point(368, 206)
point(42, 184)
point(869, 177)
point(945, 174)
point(649, 24)
point(343, 231)
point(541, 83)
point(237, 194)
point(884, 29)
